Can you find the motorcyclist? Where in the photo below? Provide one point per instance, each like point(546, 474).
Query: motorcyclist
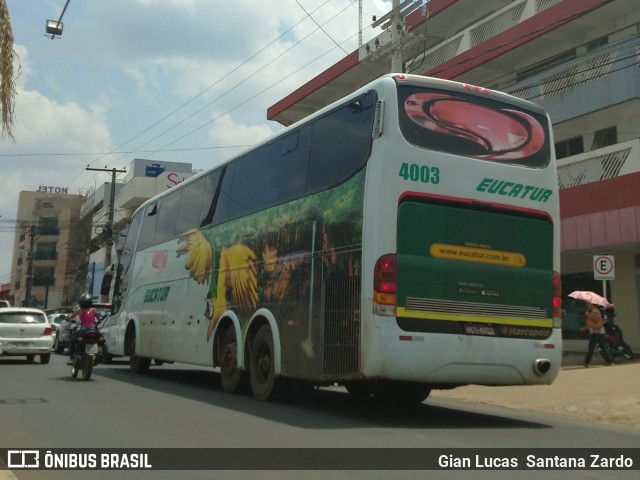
point(89, 318)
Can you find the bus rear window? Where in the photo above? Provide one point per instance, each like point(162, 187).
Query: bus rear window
point(472, 126)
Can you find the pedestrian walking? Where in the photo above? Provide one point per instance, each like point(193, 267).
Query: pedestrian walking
point(595, 326)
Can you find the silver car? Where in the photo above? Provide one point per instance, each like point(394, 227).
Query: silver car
point(25, 331)
point(56, 319)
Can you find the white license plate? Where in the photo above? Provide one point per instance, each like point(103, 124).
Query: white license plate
point(479, 329)
point(91, 348)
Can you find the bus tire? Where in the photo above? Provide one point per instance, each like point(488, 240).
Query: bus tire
point(137, 364)
point(264, 384)
point(232, 378)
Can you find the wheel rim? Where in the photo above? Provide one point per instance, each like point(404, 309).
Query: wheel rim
point(229, 360)
point(263, 368)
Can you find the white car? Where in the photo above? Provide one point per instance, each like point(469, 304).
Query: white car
point(25, 331)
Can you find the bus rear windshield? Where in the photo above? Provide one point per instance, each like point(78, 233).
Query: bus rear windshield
point(477, 127)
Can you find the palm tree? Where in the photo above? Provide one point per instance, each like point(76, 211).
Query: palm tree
point(7, 80)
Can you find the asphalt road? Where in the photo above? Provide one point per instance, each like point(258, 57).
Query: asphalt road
point(41, 406)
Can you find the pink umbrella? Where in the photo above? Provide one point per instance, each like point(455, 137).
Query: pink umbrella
point(590, 297)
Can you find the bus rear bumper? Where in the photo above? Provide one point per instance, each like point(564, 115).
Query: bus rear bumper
point(461, 359)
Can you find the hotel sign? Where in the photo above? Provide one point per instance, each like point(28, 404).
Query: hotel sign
point(45, 189)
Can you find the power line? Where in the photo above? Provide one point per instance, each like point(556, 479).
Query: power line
point(207, 89)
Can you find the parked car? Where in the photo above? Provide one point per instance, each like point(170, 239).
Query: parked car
point(5, 304)
point(55, 319)
point(25, 331)
point(63, 334)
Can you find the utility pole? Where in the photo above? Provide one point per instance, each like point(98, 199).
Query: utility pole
point(109, 228)
point(394, 23)
point(27, 294)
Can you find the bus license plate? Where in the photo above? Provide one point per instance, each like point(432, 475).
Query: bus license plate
point(479, 329)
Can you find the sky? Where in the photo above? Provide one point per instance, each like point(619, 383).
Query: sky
point(172, 80)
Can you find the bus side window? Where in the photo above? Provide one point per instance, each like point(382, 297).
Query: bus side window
point(221, 212)
point(341, 143)
point(167, 222)
point(123, 273)
point(209, 198)
point(149, 223)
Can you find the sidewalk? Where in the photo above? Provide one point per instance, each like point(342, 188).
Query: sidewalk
point(598, 393)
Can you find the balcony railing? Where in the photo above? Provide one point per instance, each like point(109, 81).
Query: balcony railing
point(488, 27)
point(45, 255)
point(600, 164)
point(576, 87)
point(43, 281)
point(48, 230)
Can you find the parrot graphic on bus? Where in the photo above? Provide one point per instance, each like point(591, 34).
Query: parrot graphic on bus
point(236, 282)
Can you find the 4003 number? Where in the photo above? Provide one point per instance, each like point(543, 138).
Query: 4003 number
point(420, 173)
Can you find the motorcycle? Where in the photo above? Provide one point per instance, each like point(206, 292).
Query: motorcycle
point(88, 351)
point(613, 336)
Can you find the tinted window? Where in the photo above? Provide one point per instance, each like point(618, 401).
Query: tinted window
point(210, 196)
point(312, 158)
point(270, 175)
point(130, 241)
point(148, 230)
point(472, 126)
point(195, 202)
point(168, 207)
point(340, 143)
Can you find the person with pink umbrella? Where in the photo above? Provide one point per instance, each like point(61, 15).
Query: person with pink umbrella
point(595, 326)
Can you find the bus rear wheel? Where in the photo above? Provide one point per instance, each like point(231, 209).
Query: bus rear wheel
point(232, 378)
point(264, 384)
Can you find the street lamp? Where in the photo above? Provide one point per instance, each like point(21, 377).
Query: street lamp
point(53, 27)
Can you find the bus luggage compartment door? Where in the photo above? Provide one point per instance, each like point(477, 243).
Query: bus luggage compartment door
point(474, 269)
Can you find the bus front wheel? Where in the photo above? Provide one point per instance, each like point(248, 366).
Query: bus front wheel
point(137, 364)
point(264, 384)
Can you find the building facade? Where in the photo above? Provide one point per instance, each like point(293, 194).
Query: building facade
point(579, 60)
point(53, 223)
point(48, 224)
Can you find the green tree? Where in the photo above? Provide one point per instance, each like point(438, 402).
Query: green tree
point(7, 80)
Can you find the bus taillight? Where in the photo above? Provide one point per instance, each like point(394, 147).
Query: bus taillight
point(385, 285)
point(557, 297)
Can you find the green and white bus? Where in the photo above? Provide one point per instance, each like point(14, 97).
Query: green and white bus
point(403, 238)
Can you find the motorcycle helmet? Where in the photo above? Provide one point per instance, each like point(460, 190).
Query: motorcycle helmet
point(86, 301)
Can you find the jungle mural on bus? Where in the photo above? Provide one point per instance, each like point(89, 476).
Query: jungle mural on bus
point(264, 259)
